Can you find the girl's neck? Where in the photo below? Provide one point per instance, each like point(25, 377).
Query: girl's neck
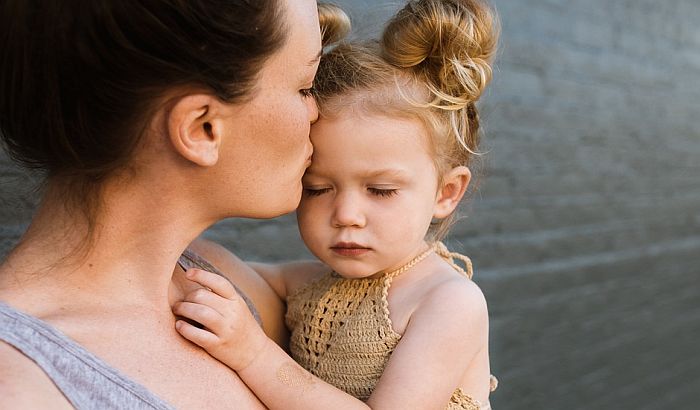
point(137, 239)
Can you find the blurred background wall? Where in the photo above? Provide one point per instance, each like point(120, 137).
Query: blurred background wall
point(585, 231)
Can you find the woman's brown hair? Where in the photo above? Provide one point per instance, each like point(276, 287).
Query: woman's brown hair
point(79, 79)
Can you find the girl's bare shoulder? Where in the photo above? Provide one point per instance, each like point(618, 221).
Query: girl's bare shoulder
point(456, 299)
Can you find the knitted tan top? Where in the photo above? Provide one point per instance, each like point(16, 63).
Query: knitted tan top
point(341, 331)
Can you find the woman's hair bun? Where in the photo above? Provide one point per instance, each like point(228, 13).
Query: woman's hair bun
point(449, 43)
point(335, 24)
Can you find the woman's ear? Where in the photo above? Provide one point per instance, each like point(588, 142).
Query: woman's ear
point(192, 128)
point(454, 184)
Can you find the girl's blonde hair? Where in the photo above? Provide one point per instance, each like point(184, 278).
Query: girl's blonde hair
point(432, 63)
point(335, 24)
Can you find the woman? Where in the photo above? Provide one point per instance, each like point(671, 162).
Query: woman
point(151, 121)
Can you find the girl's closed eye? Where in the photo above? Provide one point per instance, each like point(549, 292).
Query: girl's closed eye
point(315, 191)
point(383, 192)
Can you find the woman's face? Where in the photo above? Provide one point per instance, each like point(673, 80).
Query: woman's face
point(267, 148)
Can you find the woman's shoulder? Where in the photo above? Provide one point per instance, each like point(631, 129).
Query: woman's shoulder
point(217, 255)
point(24, 385)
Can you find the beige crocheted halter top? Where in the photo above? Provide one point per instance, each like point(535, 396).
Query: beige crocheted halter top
point(341, 331)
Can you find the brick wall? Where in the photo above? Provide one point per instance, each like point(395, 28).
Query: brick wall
point(585, 231)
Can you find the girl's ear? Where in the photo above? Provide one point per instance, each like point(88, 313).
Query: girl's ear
point(454, 185)
point(194, 128)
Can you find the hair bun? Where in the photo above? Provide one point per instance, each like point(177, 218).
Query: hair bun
point(449, 42)
point(335, 24)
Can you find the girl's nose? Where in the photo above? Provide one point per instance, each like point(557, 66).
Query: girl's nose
point(348, 212)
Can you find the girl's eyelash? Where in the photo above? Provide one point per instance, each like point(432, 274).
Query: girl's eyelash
point(380, 192)
point(315, 192)
point(383, 192)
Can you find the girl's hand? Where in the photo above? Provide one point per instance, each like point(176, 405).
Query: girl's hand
point(230, 332)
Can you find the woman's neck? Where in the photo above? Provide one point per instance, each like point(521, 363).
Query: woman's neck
point(138, 236)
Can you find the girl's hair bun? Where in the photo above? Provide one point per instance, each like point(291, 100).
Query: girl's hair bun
point(335, 24)
point(449, 43)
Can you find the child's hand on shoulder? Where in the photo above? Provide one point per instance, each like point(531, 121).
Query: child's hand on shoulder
point(230, 332)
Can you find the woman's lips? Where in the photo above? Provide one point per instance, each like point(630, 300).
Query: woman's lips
point(349, 249)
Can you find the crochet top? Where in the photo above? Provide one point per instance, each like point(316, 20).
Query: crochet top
point(341, 331)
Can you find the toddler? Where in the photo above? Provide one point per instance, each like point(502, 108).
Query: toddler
point(388, 320)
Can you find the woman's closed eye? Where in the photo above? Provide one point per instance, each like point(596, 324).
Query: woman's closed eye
point(307, 92)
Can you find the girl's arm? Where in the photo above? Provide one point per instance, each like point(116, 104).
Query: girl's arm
point(268, 304)
point(442, 345)
point(420, 373)
point(233, 337)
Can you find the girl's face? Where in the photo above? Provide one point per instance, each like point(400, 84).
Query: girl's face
point(269, 147)
point(369, 195)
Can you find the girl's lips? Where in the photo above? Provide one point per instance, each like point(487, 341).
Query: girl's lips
point(349, 249)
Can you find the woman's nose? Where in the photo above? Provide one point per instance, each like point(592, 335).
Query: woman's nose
point(348, 212)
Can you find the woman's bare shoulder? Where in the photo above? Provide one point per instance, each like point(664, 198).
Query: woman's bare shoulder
point(218, 255)
point(24, 385)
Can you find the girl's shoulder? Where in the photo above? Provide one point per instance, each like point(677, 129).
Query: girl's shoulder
point(444, 294)
point(303, 273)
point(287, 278)
point(457, 293)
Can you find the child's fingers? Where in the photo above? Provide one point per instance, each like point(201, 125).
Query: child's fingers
point(201, 337)
point(203, 296)
point(218, 284)
point(207, 316)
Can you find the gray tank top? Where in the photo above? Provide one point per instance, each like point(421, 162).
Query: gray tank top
point(84, 379)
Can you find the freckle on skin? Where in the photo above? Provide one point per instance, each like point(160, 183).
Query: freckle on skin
point(292, 375)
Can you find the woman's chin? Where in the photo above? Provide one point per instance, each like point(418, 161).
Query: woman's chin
point(283, 206)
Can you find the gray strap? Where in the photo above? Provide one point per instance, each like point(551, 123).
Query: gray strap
point(85, 380)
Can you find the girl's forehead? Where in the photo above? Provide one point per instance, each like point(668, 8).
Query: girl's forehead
point(366, 144)
point(391, 98)
point(352, 126)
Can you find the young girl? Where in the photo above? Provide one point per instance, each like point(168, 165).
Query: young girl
point(389, 318)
